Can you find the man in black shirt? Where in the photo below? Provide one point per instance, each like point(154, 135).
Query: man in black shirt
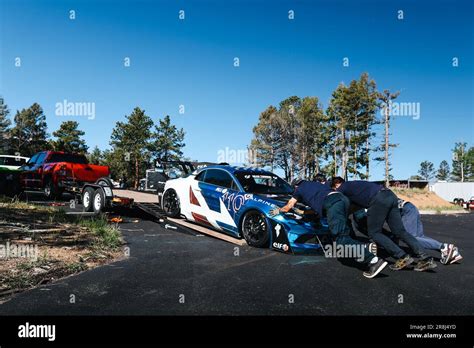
point(327, 202)
point(382, 205)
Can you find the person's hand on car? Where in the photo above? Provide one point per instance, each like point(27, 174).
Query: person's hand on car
point(274, 212)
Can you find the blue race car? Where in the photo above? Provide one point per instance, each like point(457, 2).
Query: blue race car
point(237, 201)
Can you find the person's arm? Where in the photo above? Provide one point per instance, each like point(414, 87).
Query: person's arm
point(291, 203)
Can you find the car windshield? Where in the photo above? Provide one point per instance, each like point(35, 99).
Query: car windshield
point(67, 157)
point(263, 183)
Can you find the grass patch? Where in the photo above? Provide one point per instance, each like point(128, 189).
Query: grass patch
point(68, 244)
point(107, 235)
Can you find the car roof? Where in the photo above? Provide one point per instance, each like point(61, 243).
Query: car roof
point(237, 169)
point(13, 156)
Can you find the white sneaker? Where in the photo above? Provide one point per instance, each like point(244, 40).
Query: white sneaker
point(447, 252)
point(372, 248)
point(456, 256)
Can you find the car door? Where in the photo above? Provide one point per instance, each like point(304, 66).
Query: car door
point(27, 172)
point(37, 171)
point(212, 185)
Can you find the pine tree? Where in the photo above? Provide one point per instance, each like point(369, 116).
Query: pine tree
point(69, 138)
point(426, 170)
point(463, 163)
point(265, 143)
point(29, 133)
point(338, 123)
point(96, 156)
point(311, 136)
point(168, 141)
point(443, 171)
point(386, 99)
point(4, 127)
point(131, 139)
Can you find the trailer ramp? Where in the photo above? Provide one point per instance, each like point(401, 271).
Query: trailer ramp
point(155, 210)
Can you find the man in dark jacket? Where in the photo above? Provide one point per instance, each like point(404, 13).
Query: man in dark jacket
point(382, 205)
point(335, 206)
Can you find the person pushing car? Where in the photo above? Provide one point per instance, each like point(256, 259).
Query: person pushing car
point(335, 206)
point(382, 205)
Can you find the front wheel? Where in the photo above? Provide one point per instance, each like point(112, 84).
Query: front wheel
point(50, 191)
point(255, 229)
point(171, 205)
point(87, 198)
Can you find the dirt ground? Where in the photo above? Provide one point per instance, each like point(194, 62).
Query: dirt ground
point(39, 245)
point(424, 199)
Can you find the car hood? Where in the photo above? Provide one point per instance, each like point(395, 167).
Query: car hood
point(279, 200)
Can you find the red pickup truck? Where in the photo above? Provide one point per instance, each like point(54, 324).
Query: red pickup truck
point(56, 172)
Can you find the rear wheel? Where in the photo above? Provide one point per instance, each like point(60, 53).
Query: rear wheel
point(171, 205)
point(104, 181)
point(254, 228)
point(98, 201)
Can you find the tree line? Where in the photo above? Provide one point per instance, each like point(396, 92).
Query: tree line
point(138, 140)
point(462, 166)
point(302, 138)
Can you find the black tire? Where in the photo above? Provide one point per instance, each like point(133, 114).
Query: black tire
point(98, 201)
point(104, 181)
point(254, 229)
point(171, 205)
point(50, 191)
point(461, 201)
point(87, 199)
point(456, 201)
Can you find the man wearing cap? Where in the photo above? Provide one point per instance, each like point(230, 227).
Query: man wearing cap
point(335, 206)
point(382, 205)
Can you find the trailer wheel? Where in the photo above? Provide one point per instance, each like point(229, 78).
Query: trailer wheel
point(87, 198)
point(171, 203)
point(461, 201)
point(456, 201)
point(98, 202)
point(104, 181)
point(254, 228)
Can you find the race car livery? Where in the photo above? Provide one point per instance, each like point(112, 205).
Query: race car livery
point(237, 201)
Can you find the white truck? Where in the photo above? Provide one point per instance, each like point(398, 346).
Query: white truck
point(456, 192)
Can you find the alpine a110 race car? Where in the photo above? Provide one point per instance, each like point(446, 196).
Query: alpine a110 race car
point(237, 201)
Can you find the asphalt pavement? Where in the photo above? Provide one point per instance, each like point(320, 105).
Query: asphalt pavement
point(179, 272)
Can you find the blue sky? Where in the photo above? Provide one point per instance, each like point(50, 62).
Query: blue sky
point(190, 63)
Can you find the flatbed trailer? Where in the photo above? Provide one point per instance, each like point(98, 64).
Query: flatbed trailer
point(99, 197)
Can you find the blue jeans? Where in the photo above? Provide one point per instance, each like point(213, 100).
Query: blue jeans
point(412, 221)
point(384, 207)
point(336, 209)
